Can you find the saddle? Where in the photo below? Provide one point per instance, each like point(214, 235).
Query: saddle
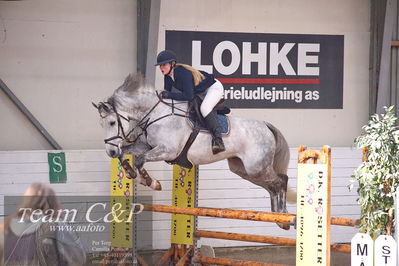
point(195, 115)
point(197, 124)
point(195, 119)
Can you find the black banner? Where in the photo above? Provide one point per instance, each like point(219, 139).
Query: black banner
point(267, 70)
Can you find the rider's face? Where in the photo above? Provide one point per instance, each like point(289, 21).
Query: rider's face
point(165, 68)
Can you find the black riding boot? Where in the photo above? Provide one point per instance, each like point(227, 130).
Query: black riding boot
point(211, 121)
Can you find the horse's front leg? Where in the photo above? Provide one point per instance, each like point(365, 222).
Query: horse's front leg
point(138, 149)
point(158, 153)
point(131, 171)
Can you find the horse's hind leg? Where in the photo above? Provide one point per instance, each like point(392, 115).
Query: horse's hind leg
point(275, 184)
point(278, 197)
point(279, 192)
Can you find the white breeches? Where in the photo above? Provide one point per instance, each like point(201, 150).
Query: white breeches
point(213, 95)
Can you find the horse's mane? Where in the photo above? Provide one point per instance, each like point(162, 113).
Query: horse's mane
point(133, 82)
point(132, 87)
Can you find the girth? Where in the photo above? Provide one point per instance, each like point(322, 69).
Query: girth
point(182, 158)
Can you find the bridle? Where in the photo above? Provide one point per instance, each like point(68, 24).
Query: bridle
point(144, 123)
point(120, 127)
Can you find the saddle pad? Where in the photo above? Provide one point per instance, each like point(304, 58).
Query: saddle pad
point(222, 120)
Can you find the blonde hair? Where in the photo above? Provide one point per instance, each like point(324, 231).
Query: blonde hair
point(197, 76)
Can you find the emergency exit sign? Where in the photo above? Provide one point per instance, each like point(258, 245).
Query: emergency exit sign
point(57, 167)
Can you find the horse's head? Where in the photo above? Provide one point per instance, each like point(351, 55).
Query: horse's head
point(129, 103)
point(115, 125)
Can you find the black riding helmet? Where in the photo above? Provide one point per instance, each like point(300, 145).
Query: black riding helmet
point(166, 56)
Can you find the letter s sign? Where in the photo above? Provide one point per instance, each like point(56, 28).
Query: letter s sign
point(57, 167)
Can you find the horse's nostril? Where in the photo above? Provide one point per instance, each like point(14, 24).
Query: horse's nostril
point(112, 153)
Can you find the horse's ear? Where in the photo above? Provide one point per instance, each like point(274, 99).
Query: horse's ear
point(95, 105)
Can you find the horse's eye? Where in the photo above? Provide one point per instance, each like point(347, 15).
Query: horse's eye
point(112, 123)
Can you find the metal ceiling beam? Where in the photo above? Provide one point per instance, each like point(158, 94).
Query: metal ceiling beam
point(152, 42)
point(143, 22)
point(29, 115)
point(384, 81)
point(148, 12)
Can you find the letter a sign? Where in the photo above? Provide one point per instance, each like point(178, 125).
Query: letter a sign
point(57, 167)
point(362, 250)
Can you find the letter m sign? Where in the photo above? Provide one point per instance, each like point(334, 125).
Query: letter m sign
point(360, 251)
point(57, 167)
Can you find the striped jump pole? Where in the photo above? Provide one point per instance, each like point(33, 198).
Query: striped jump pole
point(274, 217)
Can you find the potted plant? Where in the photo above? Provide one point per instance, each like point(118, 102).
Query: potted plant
point(378, 174)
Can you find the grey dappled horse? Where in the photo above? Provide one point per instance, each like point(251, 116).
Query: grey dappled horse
point(158, 131)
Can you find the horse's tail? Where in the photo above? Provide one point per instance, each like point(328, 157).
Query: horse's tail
point(282, 154)
point(282, 158)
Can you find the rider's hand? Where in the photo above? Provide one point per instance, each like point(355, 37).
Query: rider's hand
point(165, 95)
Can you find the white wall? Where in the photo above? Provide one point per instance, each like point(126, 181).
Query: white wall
point(57, 57)
point(88, 174)
point(342, 17)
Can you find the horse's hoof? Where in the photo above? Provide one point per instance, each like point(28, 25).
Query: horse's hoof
point(156, 185)
point(284, 226)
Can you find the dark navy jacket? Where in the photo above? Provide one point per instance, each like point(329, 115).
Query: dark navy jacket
point(184, 82)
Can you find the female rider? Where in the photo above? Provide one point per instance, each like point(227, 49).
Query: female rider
point(191, 82)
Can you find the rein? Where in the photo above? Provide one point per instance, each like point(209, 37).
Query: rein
point(144, 123)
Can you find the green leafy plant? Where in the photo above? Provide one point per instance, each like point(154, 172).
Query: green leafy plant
point(378, 174)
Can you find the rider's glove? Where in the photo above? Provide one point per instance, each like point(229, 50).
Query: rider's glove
point(165, 95)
